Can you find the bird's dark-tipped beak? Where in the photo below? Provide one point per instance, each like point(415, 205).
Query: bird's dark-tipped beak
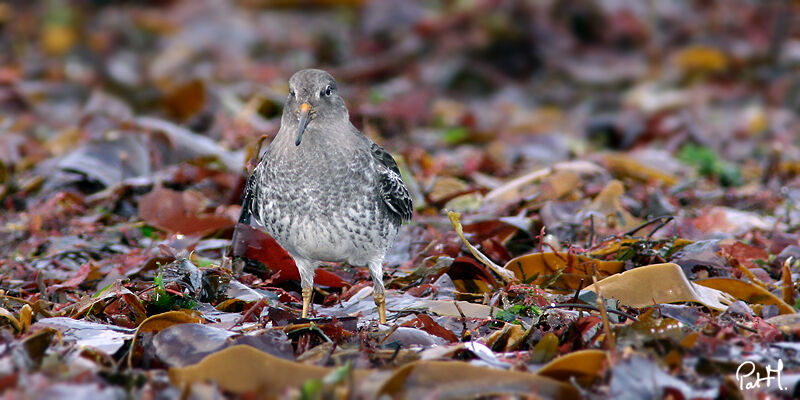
point(305, 118)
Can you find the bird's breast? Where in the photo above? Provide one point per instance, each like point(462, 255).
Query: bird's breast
point(323, 209)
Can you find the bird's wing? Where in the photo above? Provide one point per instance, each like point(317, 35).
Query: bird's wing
point(248, 199)
point(393, 190)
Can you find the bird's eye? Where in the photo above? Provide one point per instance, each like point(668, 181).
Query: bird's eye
point(291, 92)
point(328, 91)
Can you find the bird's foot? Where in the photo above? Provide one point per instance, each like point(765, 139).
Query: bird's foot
point(380, 301)
point(306, 300)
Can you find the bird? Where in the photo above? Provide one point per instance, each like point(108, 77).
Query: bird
point(325, 191)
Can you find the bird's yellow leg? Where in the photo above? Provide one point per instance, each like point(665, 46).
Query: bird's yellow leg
point(306, 300)
point(380, 301)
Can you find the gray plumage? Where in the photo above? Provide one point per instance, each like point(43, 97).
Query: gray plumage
point(325, 191)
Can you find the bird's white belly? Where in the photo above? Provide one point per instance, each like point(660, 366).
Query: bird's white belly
point(319, 239)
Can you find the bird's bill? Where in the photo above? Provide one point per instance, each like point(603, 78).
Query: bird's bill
point(305, 118)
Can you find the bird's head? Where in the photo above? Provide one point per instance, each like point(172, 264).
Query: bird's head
point(313, 97)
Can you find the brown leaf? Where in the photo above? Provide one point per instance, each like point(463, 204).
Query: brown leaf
point(507, 339)
point(461, 380)
point(701, 60)
point(244, 369)
point(746, 291)
point(470, 277)
point(8, 315)
point(608, 204)
point(73, 282)
point(658, 283)
point(744, 253)
point(572, 269)
point(186, 100)
point(158, 323)
point(427, 324)
point(787, 290)
point(625, 166)
point(180, 212)
point(583, 365)
point(470, 310)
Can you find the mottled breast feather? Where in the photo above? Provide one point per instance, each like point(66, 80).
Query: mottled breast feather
point(393, 190)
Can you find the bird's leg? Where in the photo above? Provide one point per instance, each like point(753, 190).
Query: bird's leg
point(379, 292)
point(306, 300)
point(380, 301)
point(306, 270)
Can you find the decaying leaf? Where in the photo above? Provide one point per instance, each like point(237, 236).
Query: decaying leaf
point(244, 369)
point(9, 316)
point(455, 308)
point(746, 291)
point(563, 271)
point(459, 380)
point(160, 322)
point(513, 189)
point(608, 205)
point(659, 283)
point(584, 365)
point(626, 166)
point(180, 212)
point(787, 290)
point(701, 59)
point(507, 339)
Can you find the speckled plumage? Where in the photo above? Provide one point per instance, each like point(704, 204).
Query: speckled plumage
point(335, 196)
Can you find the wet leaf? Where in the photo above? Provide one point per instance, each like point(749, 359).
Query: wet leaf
point(659, 283)
point(9, 316)
point(561, 271)
point(106, 338)
point(545, 349)
point(186, 100)
point(787, 291)
point(608, 204)
point(701, 59)
point(180, 212)
point(25, 317)
point(746, 291)
point(243, 369)
point(585, 366)
point(32, 349)
point(639, 377)
point(427, 324)
point(459, 380)
point(109, 161)
point(513, 189)
point(158, 323)
point(187, 145)
point(455, 308)
point(74, 281)
point(507, 339)
point(626, 166)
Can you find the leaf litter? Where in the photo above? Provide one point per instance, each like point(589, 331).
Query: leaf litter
point(607, 201)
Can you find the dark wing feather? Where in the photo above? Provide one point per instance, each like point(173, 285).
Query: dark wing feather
point(393, 190)
point(248, 200)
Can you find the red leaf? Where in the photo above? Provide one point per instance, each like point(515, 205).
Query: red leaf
point(427, 324)
point(180, 212)
point(257, 245)
point(743, 253)
point(76, 280)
